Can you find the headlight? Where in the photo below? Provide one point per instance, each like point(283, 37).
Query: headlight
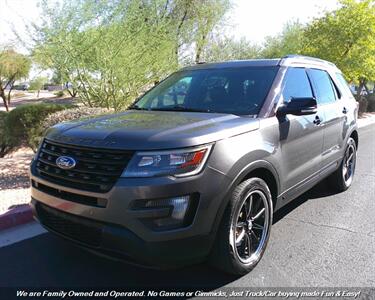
point(177, 163)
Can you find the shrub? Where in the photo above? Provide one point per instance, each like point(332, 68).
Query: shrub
point(73, 114)
point(371, 102)
point(4, 141)
point(59, 93)
point(64, 116)
point(25, 120)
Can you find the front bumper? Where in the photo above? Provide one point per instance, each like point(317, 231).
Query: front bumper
point(119, 242)
point(116, 228)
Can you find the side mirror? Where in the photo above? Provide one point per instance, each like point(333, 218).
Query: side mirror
point(298, 107)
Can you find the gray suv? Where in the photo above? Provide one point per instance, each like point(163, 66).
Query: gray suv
point(196, 167)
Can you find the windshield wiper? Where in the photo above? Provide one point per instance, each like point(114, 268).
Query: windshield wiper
point(181, 108)
point(136, 107)
point(171, 108)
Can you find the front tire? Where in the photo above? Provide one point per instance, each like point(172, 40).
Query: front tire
point(245, 228)
point(342, 178)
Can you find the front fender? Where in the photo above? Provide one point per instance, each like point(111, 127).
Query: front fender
point(247, 169)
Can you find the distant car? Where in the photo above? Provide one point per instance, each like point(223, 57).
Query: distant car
point(199, 164)
point(21, 87)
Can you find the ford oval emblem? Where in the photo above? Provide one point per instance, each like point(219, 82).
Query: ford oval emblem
point(66, 162)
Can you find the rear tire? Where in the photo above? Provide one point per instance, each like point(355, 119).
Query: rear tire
point(342, 178)
point(244, 229)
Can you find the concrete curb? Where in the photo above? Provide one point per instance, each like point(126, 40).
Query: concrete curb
point(16, 216)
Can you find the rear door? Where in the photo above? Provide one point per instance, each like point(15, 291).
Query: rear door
point(333, 117)
point(301, 137)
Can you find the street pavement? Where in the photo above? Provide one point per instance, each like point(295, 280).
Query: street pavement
point(321, 239)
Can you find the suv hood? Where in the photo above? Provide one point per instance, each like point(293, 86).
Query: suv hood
point(149, 130)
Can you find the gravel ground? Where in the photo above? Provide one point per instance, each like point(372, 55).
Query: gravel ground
point(14, 180)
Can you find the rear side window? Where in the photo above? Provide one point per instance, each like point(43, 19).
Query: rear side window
point(296, 85)
point(343, 84)
point(323, 86)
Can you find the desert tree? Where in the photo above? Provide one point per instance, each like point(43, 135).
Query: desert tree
point(346, 36)
point(13, 66)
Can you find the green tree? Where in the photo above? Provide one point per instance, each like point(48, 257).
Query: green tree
point(13, 66)
point(346, 37)
point(207, 15)
point(228, 48)
point(289, 41)
point(107, 50)
point(192, 22)
point(111, 51)
point(38, 84)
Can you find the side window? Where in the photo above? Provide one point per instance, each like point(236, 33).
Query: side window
point(297, 84)
point(343, 84)
point(323, 86)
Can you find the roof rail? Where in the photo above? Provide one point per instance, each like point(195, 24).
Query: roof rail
point(308, 58)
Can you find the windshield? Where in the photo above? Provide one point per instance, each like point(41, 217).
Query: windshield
point(240, 91)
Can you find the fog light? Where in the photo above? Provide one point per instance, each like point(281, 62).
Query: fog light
point(179, 207)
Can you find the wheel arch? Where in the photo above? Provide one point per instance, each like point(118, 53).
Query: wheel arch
point(268, 177)
point(262, 169)
point(354, 135)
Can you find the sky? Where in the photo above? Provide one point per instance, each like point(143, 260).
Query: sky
point(256, 19)
point(252, 19)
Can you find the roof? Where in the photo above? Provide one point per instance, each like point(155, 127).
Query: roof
point(236, 63)
point(292, 60)
point(288, 60)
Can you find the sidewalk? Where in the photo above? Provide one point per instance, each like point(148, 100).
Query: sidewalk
point(366, 119)
point(31, 98)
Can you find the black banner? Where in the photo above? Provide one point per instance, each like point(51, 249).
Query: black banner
point(183, 293)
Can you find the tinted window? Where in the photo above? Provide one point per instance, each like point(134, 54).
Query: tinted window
point(323, 86)
point(343, 84)
point(239, 91)
point(297, 84)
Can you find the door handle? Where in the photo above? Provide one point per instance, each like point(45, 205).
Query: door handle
point(344, 110)
point(317, 120)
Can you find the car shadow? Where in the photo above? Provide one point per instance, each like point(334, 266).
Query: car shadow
point(48, 260)
point(322, 189)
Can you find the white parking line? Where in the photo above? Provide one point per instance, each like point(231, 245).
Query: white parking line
point(20, 233)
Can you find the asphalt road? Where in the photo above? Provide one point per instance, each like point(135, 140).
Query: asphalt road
point(321, 240)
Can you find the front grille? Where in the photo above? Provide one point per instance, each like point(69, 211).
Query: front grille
point(76, 228)
point(96, 170)
point(78, 198)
